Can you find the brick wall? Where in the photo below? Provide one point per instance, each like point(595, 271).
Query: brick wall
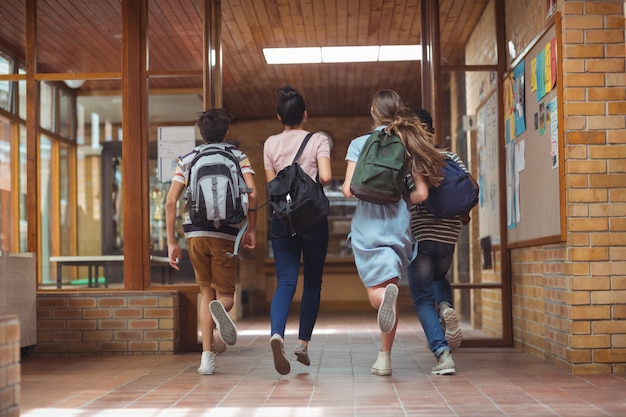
point(568, 299)
point(9, 365)
point(108, 323)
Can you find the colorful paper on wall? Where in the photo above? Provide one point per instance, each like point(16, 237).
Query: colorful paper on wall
point(509, 129)
point(541, 74)
point(553, 65)
point(533, 75)
point(542, 118)
point(548, 68)
point(508, 98)
point(519, 97)
point(554, 131)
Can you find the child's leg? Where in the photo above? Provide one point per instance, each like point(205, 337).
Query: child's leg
point(206, 322)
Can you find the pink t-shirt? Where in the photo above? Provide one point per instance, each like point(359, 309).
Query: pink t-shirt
point(279, 151)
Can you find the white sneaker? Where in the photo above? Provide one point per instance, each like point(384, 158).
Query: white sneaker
point(387, 309)
point(207, 364)
point(445, 365)
point(450, 323)
point(223, 322)
point(281, 363)
point(382, 366)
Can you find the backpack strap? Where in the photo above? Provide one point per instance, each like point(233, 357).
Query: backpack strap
point(295, 158)
point(304, 142)
point(242, 230)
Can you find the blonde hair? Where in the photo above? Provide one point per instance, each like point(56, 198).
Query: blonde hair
point(422, 156)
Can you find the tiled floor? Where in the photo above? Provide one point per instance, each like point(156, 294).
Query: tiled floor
point(488, 382)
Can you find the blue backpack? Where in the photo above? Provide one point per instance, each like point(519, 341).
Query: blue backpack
point(456, 195)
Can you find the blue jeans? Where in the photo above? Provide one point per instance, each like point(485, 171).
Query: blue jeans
point(427, 274)
point(312, 246)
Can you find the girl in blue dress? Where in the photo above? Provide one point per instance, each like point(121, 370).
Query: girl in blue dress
point(380, 234)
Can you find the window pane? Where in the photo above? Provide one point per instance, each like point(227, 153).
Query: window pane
point(21, 96)
point(67, 219)
point(47, 106)
point(185, 110)
point(99, 187)
point(479, 312)
point(45, 151)
point(23, 180)
point(6, 218)
point(5, 86)
point(480, 48)
point(66, 115)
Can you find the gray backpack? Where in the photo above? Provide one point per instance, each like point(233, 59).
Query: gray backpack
point(217, 194)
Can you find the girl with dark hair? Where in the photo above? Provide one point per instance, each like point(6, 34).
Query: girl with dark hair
point(278, 152)
point(380, 234)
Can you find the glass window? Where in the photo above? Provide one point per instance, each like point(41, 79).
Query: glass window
point(66, 114)
point(5, 86)
point(184, 111)
point(46, 209)
point(479, 312)
point(23, 179)
point(66, 211)
point(47, 102)
point(6, 179)
point(21, 97)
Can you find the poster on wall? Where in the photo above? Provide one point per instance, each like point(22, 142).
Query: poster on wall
point(519, 97)
point(541, 74)
point(552, 112)
point(173, 142)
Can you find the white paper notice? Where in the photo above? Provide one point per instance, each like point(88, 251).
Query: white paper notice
point(520, 156)
point(173, 142)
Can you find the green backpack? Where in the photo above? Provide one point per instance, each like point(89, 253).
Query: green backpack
point(380, 170)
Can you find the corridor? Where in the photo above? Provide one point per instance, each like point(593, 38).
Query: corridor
point(489, 381)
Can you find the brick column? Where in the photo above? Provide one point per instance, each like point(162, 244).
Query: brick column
point(9, 365)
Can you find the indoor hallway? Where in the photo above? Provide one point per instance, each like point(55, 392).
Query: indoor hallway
point(489, 381)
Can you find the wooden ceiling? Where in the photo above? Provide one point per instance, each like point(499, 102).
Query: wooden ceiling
point(80, 36)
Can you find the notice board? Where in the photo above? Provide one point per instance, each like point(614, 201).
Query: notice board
point(532, 94)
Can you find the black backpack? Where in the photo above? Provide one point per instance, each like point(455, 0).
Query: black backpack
point(380, 170)
point(297, 199)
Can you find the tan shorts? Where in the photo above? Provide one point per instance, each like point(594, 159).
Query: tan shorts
point(212, 266)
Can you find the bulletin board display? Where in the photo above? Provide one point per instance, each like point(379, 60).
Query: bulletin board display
point(533, 136)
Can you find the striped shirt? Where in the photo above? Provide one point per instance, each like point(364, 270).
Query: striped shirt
point(425, 226)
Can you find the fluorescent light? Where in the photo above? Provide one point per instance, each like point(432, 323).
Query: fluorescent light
point(293, 55)
point(333, 54)
point(400, 53)
point(337, 54)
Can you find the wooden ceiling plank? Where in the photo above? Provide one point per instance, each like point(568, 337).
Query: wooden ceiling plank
point(161, 49)
point(409, 28)
point(13, 28)
point(93, 32)
point(248, 26)
point(176, 47)
point(71, 48)
point(188, 23)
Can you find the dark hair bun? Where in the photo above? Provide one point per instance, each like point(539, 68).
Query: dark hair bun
point(286, 93)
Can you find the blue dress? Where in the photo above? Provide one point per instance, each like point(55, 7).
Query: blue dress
point(380, 235)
